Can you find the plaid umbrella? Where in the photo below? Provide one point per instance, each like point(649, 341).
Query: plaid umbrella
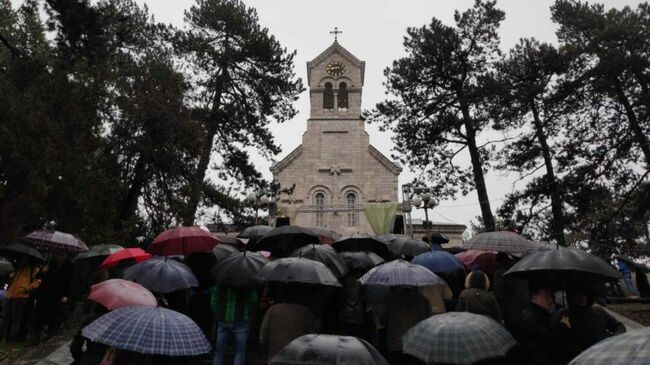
point(363, 260)
point(457, 338)
point(98, 251)
point(118, 293)
point(49, 239)
point(182, 241)
point(630, 348)
point(362, 242)
point(148, 330)
point(239, 269)
point(317, 349)
point(162, 275)
point(438, 261)
point(325, 254)
point(400, 272)
point(298, 270)
point(501, 241)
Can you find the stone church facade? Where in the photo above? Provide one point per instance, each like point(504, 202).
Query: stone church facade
point(335, 170)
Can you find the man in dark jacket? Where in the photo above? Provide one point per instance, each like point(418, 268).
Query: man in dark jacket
point(512, 294)
point(353, 313)
point(405, 307)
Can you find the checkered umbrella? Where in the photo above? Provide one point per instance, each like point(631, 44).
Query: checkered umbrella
point(148, 330)
point(457, 338)
point(400, 272)
point(317, 349)
point(162, 275)
point(48, 239)
point(502, 241)
point(630, 348)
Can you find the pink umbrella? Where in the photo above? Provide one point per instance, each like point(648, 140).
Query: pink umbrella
point(485, 261)
point(136, 254)
point(118, 293)
point(182, 241)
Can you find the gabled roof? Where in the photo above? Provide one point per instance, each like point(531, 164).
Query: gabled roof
point(336, 48)
point(392, 166)
point(278, 166)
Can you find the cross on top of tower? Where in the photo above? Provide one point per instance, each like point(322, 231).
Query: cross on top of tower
point(336, 32)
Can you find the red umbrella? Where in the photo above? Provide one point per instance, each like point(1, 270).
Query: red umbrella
point(118, 293)
point(485, 261)
point(182, 241)
point(136, 254)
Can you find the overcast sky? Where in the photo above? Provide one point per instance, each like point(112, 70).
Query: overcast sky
point(373, 31)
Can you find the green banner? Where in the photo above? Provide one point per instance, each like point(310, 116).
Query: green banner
point(381, 216)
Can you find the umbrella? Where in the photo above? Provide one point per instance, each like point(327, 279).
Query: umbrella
point(362, 242)
point(438, 261)
point(239, 269)
point(223, 251)
point(457, 338)
point(630, 348)
point(298, 270)
point(284, 239)
point(98, 251)
point(405, 245)
point(317, 349)
point(5, 266)
point(500, 241)
point(162, 275)
point(136, 254)
point(325, 254)
point(439, 238)
point(326, 235)
point(486, 261)
point(400, 272)
point(255, 232)
point(182, 241)
point(50, 239)
point(118, 293)
point(20, 250)
point(148, 330)
point(231, 241)
point(563, 264)
point(363, 260)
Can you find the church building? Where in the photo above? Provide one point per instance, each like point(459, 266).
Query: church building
point(335, 170)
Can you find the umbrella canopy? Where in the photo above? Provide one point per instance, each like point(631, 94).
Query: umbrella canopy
point(630, 348)
point(255, 232)
point(328, 350)
point(500, 241)
point(99, 251)
point(439, 238)
point(438, 261)
point(5, 266)
point(325, 235)
point(20, 250)
point(325, 254)
point(136, 254)
point(49, 239)
point(486, 261)
point(400, 272)
point(148, 330)
point(298, 270)
point(182, 241)
point(223, 251)
point(284, 240)
point(362, 242)
point(405, 245)
point(118, 293)
point(363, 260)
point(457, 338)
point(162, 275)
point(564, 264)
point(239, 269)
point(231, 241)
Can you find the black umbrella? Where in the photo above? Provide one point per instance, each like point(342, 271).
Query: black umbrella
point(298, 270)
point(325, 254)
point(405, 245)
point(328, 350)
point(239, 269)
point(255, 232)
point(5, 266)
point(363, 260)
point(231, 241)
point(19, 250)
point(223, 251)
point(563, 265)
point(362, 242)
point(284, 240)
point(162, 275)
point(439, 238)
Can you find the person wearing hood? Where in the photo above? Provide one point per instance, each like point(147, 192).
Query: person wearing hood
point(477, 299)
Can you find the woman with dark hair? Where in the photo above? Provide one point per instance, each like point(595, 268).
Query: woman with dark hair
point(477, 299)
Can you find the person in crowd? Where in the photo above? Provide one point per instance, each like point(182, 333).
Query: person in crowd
point(405, 307)
point(23, 281)
point(477, 299)
point(232, 306)
point(84, 351)
point(352, 314)
point(123, 357)
point(283, 323)
point(512, 294)
point(198, 302)
point(51, 297)
point(437, 295)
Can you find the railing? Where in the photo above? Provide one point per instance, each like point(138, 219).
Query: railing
point(330, 208)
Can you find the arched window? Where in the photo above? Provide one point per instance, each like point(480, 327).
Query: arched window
point(319, 220)
point(351, 200)
point(328, 97)
point(342, 99)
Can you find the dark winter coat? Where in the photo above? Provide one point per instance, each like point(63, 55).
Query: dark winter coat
point(479, 301)
point(542, 342)
point(590, 325)
point(404, 308)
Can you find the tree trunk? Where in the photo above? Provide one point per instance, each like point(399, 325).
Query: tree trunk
point(196, 185)
point(640, 137)
point(477, 168)
point(131, 201)
point(557, 224)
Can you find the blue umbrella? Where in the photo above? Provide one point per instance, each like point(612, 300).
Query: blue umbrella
point(148, 330)
point(162, 275)
point(438, 261)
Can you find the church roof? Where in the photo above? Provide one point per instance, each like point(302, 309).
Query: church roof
point(336, 48)
point(278, 166)
point(392, 166)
